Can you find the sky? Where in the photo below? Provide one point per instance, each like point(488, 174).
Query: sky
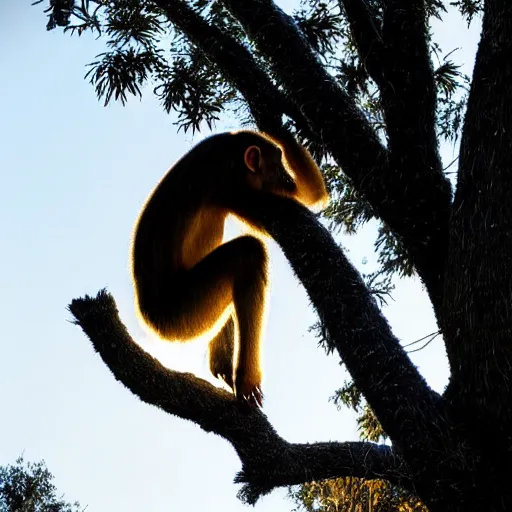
point(74, 175)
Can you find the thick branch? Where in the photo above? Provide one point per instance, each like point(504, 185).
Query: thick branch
point(414, 202)
point(268, 460)
point(313, 462)
point(478, 316)
point(410, 412)
point(398, 59)
point(408, 93)
point(367, 36)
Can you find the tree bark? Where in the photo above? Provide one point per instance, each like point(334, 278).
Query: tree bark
point(268, 461)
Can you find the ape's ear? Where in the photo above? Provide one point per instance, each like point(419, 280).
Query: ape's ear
point(252, 158)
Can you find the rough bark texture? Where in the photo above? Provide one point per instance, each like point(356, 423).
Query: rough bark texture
point(268, 460)
point(454, 451)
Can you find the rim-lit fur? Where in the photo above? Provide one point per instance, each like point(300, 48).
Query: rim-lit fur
point(187, 282)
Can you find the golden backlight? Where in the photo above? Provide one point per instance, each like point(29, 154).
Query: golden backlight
point(192, 356)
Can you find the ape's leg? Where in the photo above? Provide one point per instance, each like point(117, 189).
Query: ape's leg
point(193, 301)
point(244, 260)
point(249, 298)
point(221, 351)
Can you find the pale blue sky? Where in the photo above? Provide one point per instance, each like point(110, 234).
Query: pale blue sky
point(74, 175)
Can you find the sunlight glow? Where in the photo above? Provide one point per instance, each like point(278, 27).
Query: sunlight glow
point(192, 356)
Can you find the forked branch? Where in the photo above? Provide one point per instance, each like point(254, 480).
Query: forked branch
point(268, 460)
point(413, 198)
point(409, 410)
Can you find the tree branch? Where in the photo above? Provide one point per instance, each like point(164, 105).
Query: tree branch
point(409, 93)
point(367, 36)
point(266, 103)
point(302, 463)
point(412, 414)
point(268, 460)
point(409, 98)
point(477, 315)
point(404, 199)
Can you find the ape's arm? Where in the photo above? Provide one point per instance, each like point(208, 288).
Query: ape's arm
point(310, 186)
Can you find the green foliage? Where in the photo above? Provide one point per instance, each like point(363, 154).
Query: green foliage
point(369, 426)
point(452, 86)
point(322, 25)
point(59, 12)
point(347, 210)
point(469, 8)
point(353, 495)
point(435, 8)
point(392, 257)
point(119, 72)
point(193, 88)
point(28, 487)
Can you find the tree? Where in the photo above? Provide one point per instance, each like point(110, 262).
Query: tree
point(355, 80)
point(28, 487)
